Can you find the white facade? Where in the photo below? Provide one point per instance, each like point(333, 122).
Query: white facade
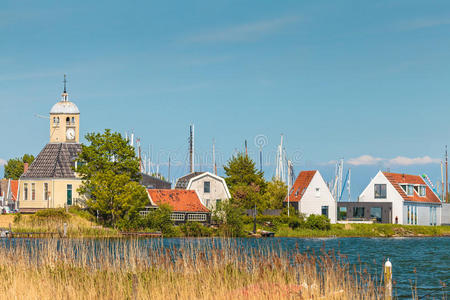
point(317, 197)
point(368, 195)
point(217, 191)
point(403, 212)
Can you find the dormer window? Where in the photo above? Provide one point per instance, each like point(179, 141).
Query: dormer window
point(410, 190)
point(422, 191)
point(403, 186)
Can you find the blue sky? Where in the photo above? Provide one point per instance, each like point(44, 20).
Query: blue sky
point(363, 80)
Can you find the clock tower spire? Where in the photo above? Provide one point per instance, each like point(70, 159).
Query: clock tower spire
point(64, 120)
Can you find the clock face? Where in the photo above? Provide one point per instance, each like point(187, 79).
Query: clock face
point(70, 134)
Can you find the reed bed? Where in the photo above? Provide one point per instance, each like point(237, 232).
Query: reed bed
point(136, 269)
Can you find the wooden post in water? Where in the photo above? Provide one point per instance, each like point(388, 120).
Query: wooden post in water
point(388, 280)
point(65, 230)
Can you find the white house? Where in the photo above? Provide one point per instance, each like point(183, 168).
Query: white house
point(413, 202)
point(210, 188)
point(310, 195)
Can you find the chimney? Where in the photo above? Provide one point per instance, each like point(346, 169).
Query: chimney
point(25, 167)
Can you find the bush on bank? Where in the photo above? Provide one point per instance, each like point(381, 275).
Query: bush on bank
point(314, 222)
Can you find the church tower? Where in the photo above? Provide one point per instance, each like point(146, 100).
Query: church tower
point(64, 120)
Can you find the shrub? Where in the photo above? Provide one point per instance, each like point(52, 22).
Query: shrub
point(53, 214)
point(230, 218)
point(318, 222)
point(83, 213)
point(17, 218)
point(159, 219)
point(295, 223)
point(195, 229)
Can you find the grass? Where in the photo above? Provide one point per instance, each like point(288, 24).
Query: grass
point(359, 230)
point(77, 225)
point(369, 230)
point(86, 269)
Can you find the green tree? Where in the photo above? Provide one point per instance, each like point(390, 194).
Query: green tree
point(159, 219)
point(109, 169)
point(230, 218)
point(14, 167)
point(246, 183)
point(275, 194)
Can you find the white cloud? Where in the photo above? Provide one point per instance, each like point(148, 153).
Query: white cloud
point(406, 161)
point(364, 160)
point(243, 32)
point(2, 162)
point(368, 160)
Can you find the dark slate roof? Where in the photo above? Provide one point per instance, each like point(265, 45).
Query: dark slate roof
point(54, 161)
point(182, 182)
point(151, 182)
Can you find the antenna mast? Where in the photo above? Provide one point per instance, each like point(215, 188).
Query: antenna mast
point(191, 148)
point(446, 174)
point(280, 171)
point(214, 157)
point(168, 172)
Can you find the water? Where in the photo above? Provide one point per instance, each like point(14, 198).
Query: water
point(423, 262)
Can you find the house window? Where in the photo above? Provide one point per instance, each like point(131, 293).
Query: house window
point(218, 201)
point(342, 213)
point(325, 211)
point(206, 187)
point(408, 221)
point(415, 215)
point(25, 191)
point(410, 190)
point(422, 191)
point(317, 192)
point(177, 217)
point(375, 214)
point(358, 212)
point(207, 203)
point(403, 186)
point(69, 194)
point(45, 191)
point(196, 217)
point(380, 191)
point(33, 191)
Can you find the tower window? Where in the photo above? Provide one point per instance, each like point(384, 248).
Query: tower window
point(67, 121)
point(73, 120)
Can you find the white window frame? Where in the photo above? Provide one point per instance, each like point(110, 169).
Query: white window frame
point(424, 189)
point(409, 188)
point(177, 217)
point(196, 217)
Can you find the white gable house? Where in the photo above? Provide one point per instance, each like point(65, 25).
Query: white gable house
point(210, 188)
point(310, 195)
point(413, 202)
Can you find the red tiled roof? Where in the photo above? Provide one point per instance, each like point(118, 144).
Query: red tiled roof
point(179, 200)
point(300, 185)
point(14, 189)
point(396, 179)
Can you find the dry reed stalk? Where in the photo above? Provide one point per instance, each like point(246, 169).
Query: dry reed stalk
point(127, 269)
